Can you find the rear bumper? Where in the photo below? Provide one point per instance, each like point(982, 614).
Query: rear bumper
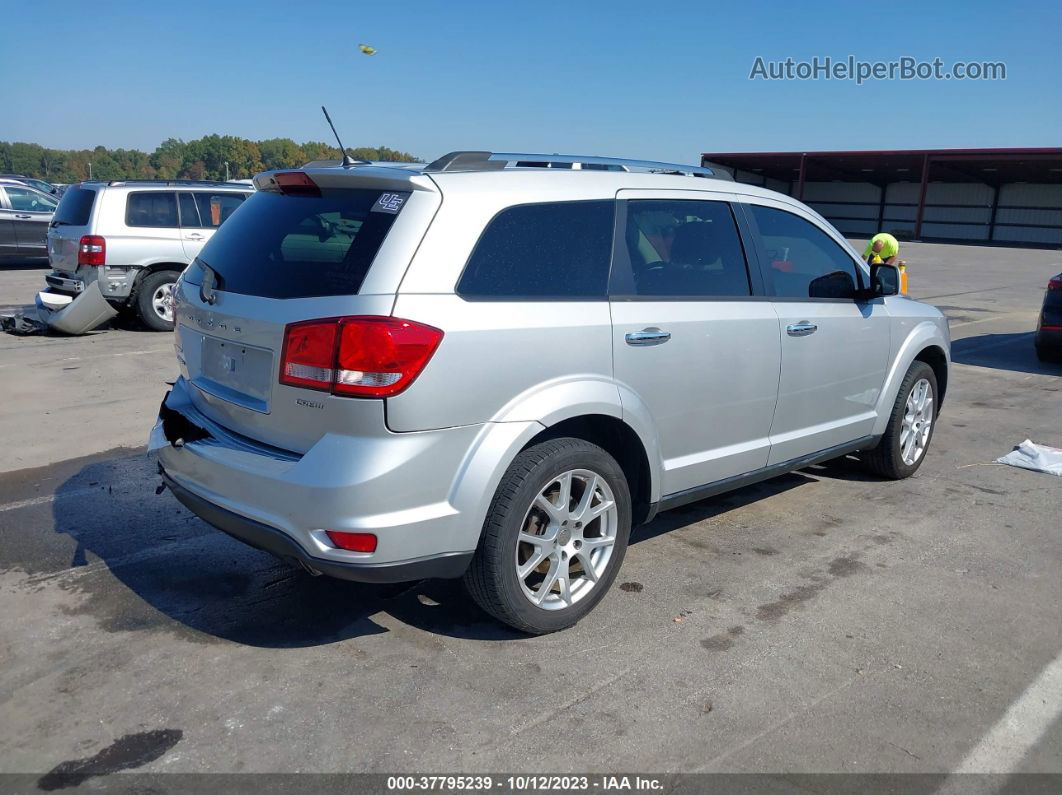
point(115, 281)
point(85, 312)
point(64, 285)
point(269, 539)
point(423, 494)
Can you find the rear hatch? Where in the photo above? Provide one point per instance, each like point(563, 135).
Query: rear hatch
point(335, 247)
point(71, 221)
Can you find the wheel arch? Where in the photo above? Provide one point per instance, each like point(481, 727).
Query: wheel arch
point(146, 270)
point(926, 343)
point(619, 440)
point(934, 356)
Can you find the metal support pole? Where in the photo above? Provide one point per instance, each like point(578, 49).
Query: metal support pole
point(992, 216)
point(801, 177)
point(922, 198)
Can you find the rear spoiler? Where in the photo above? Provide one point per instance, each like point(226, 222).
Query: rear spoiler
point(334, 178)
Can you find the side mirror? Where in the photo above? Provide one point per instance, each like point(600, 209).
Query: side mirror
point(884, 279)
point(838, 284)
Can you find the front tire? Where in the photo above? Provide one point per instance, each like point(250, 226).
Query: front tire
point(903, 447)
point(154, 300)
point(554, 537)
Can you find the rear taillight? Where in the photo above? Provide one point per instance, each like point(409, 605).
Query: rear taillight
point(1055, 283)
point(355, 542)
point(309, 355)
point(91, 250)
point(357, 356)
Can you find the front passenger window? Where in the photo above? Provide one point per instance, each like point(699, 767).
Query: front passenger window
point(803, 261)
point(685, 249)
point(29, 201)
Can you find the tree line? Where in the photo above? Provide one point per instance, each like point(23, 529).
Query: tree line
point(203, 158)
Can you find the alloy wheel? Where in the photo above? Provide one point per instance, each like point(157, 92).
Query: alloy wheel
point(917, 422)
point(566, 539)
point(162, 301)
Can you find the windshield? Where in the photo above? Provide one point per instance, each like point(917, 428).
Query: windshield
point(40, 184)
point(284, 246)
point(75, 207)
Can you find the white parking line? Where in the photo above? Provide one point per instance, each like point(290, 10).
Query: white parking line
point(993, 317)
point(14, 506)
point(89, 358)
point(1021, 727)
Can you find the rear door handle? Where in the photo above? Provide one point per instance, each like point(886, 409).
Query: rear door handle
point(23, 217)
point(801, 329)
point(193, 236)
point(649, 336)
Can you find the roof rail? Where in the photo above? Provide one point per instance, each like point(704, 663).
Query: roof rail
point(495, 161)
point(361, 163)
point(176, 182)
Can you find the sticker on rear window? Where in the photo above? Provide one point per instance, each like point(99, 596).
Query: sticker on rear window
point(389, 203)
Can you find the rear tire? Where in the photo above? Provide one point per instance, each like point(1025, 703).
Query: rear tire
point(554, 537)
point(903, 447)
point(153, 295)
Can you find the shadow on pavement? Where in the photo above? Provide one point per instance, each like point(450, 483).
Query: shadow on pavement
point(715, 506)
point(180, 574)
point(25, 265)
point(174, 573)
point(1013, 351)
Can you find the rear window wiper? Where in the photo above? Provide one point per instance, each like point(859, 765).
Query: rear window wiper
point(54, 224)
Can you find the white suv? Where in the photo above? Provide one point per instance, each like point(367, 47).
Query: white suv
point(134, 238)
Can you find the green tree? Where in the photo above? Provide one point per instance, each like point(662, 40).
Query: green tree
point(168, 158)
point(203, 158)
point(316, 150)
point(281, 153)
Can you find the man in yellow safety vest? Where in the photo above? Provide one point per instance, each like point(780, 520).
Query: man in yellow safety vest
point(883, 247)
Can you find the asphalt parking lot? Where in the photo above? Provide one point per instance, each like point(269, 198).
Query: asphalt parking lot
point(824, 621)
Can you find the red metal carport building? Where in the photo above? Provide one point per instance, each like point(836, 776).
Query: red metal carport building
point(1001, 196)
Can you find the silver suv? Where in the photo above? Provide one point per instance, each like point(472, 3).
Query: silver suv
point(494, 366)
point(133, 239)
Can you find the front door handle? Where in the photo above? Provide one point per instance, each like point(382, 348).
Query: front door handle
point(193, 236)
point(801, 329)
point(649, 336)
point(24, 217)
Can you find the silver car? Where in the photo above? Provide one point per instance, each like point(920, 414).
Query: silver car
point(126, 242)
point(495, 365)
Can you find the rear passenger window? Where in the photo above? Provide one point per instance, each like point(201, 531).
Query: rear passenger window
point(215, 208)
point(537, 251)
point(157, 209)
point(189, 211)
point(685, 249)
point(803, 261)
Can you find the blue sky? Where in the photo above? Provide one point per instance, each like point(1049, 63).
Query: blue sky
point(663, 80)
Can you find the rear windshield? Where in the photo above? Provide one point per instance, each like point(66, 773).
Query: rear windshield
point(283, 246)
point(75, 207)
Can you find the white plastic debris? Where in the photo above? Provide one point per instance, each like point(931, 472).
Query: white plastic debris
point(54, 301)
point(1037, 457)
